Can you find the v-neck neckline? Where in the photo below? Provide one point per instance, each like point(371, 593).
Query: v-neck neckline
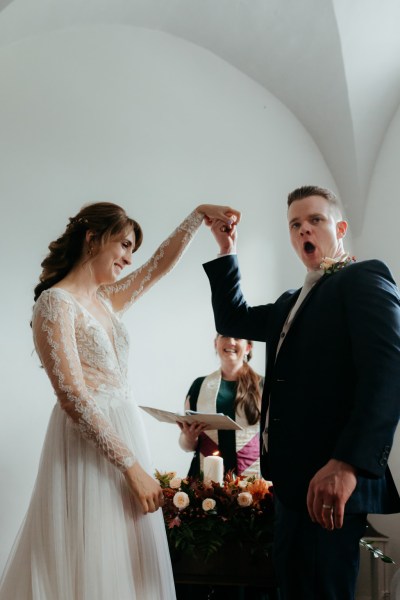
point(82, 306)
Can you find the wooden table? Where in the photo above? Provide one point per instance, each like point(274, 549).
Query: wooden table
point(248, 576)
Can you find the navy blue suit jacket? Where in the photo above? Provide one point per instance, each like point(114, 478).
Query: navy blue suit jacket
point(334, 388)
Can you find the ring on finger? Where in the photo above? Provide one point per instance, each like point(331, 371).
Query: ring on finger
point(327, 506)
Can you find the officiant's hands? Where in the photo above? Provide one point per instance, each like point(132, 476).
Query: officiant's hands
point(328, 492)
point(145, 489)
point(225, 235)
point(191, 434)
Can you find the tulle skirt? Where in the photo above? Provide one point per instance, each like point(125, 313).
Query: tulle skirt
point(83, 537)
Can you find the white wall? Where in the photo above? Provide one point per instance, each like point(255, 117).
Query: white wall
point(157, 125)
point(380, 239)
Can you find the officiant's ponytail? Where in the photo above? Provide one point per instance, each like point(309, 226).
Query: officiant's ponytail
point(248, 394)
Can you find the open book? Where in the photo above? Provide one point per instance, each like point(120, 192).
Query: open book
point(213, 420)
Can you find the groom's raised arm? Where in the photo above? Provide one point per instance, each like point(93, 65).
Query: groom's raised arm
point(233, 316)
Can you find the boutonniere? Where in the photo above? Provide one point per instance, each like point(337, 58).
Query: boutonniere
point(331, 265)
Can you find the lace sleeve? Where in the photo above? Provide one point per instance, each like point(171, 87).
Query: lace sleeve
point(54, 336)
point(131, 287)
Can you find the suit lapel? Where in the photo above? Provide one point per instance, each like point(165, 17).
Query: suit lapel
point(282, 310)
point(308, 298)
point(299, 312)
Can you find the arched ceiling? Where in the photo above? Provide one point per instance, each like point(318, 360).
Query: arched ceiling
point(335, 64)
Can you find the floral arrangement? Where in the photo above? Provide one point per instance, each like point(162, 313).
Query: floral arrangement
point(331, 265)
point(200, 517)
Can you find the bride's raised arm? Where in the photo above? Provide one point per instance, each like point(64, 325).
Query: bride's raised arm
point(127, 290)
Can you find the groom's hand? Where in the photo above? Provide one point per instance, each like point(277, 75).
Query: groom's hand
point(328, 492)
point(225, 236)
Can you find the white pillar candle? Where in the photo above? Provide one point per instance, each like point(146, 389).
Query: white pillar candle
point(213, 469)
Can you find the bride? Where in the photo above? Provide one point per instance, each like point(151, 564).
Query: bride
point(93, 530)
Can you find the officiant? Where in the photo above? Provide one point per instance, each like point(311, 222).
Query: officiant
point(234, 389)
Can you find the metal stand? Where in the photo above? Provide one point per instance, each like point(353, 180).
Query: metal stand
point(378, 573)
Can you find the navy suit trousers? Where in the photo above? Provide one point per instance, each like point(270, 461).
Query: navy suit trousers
point(313, 563)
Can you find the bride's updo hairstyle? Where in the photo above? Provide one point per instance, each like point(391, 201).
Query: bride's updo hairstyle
point(104, 219)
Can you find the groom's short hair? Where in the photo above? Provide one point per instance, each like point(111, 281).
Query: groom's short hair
point(314, 190)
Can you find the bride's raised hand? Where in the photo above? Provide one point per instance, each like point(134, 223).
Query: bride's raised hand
point(145, 489)
point(230, 216)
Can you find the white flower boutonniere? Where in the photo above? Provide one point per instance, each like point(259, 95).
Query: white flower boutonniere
point(331, 265)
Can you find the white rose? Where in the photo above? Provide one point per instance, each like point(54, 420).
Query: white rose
point(208, 504)
point(245, 499)
point(181, 500)
point(175, 483)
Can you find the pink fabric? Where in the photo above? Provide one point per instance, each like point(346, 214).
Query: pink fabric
point(248, 454)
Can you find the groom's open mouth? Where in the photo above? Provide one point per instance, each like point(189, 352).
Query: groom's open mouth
point(309, 248)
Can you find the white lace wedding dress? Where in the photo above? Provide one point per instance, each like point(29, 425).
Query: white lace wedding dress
point(83, 537)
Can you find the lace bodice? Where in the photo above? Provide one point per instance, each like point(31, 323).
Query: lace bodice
point(87, 367)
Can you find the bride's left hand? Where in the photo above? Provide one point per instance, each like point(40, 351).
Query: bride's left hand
point(211, 212)
point(146, 490)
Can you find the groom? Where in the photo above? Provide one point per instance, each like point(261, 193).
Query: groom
point(331, 399)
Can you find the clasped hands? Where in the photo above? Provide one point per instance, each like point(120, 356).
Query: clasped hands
point(328, 492)
point(223, 221)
